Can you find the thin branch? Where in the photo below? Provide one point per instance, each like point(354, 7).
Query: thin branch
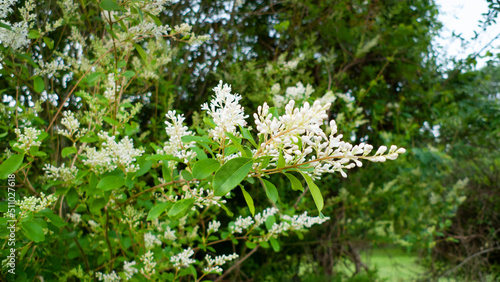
point(468, 259)
point(237, 264)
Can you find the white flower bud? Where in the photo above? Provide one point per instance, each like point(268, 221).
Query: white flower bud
point(401, 151)
point(381, 150)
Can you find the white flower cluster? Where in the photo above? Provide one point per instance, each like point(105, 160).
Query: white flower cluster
point(27, 139)
point(75, 217)
point(183, 259)
point(213, 226)
point(112, 277)
point(297, 93)
point(94, 227)
point(148, 29)
point(262, 217)
point(51, 69)
point(240, 224)
point(149, 264)
point(225, 111)
point(113, 155)
point(182, 28)
point(5, 8)
point(132, 216)
point(66, 174)
point(150, 241)
point(155, 7)
point(72, 124)
point(297, 222)
point(282, 134)
point(202, 200)
point(325, 154)
point(17, 37)
point(111, 88)
point(35, 204)
point(175, 147)
point(129, 269)
point(169, 234)
point(291, 65)
point(214, 265)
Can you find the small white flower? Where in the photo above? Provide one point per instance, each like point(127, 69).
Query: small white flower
point(225, 111)
point(169, 234)
point(240, 224)
point(183, 259)
point(112, 277)
point(35, 204)
point(214, 265)
point(27, 139)
point(75, 217)
point(129, 269)
point(149, 264)
point(66, 174)
point(213, 226)
point(150, 241)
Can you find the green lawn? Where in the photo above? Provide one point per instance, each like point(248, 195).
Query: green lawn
point(394, 264)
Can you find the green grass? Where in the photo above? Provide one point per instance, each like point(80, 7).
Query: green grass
point(394, 264)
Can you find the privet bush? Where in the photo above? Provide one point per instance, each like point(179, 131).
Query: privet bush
point(94, 198)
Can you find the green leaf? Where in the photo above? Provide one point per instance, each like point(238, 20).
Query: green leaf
point(159, 157)
point(111, 121)
point(264, 244)
point(154, 18)
point(94, 76)
point(200, 153)
point(54, 218)
point(157, 210)
point(237, 143)
point(186, 175)
point(49, 42)
point(110, 5)
point(271, 191)
point(190, 138)
point(42, 136)
point(144, 167)
point(111, 182)
point(247, 135)
point(231, 174)
point(39, 85)
point(180, 208)
point(128, 73)
point(209, 121)
point(249, 200)
point(251, 245)
point(274, 244)
point(296, 184)
point(68, 151)
point(11, 165)
point(166, 173)
point(270, 221)
point(97, 204)
point(141, 52)
point(33, 231)
point(72, 198)
point(281, 160)
point(5, 26)
point(34, 34)
point(228, 212)
point(315, 192)
point(204, 168)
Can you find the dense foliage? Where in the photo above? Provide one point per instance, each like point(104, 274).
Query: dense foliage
point(97, 96)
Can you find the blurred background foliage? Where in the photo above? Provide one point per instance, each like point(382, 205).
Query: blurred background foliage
point(440, 200)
